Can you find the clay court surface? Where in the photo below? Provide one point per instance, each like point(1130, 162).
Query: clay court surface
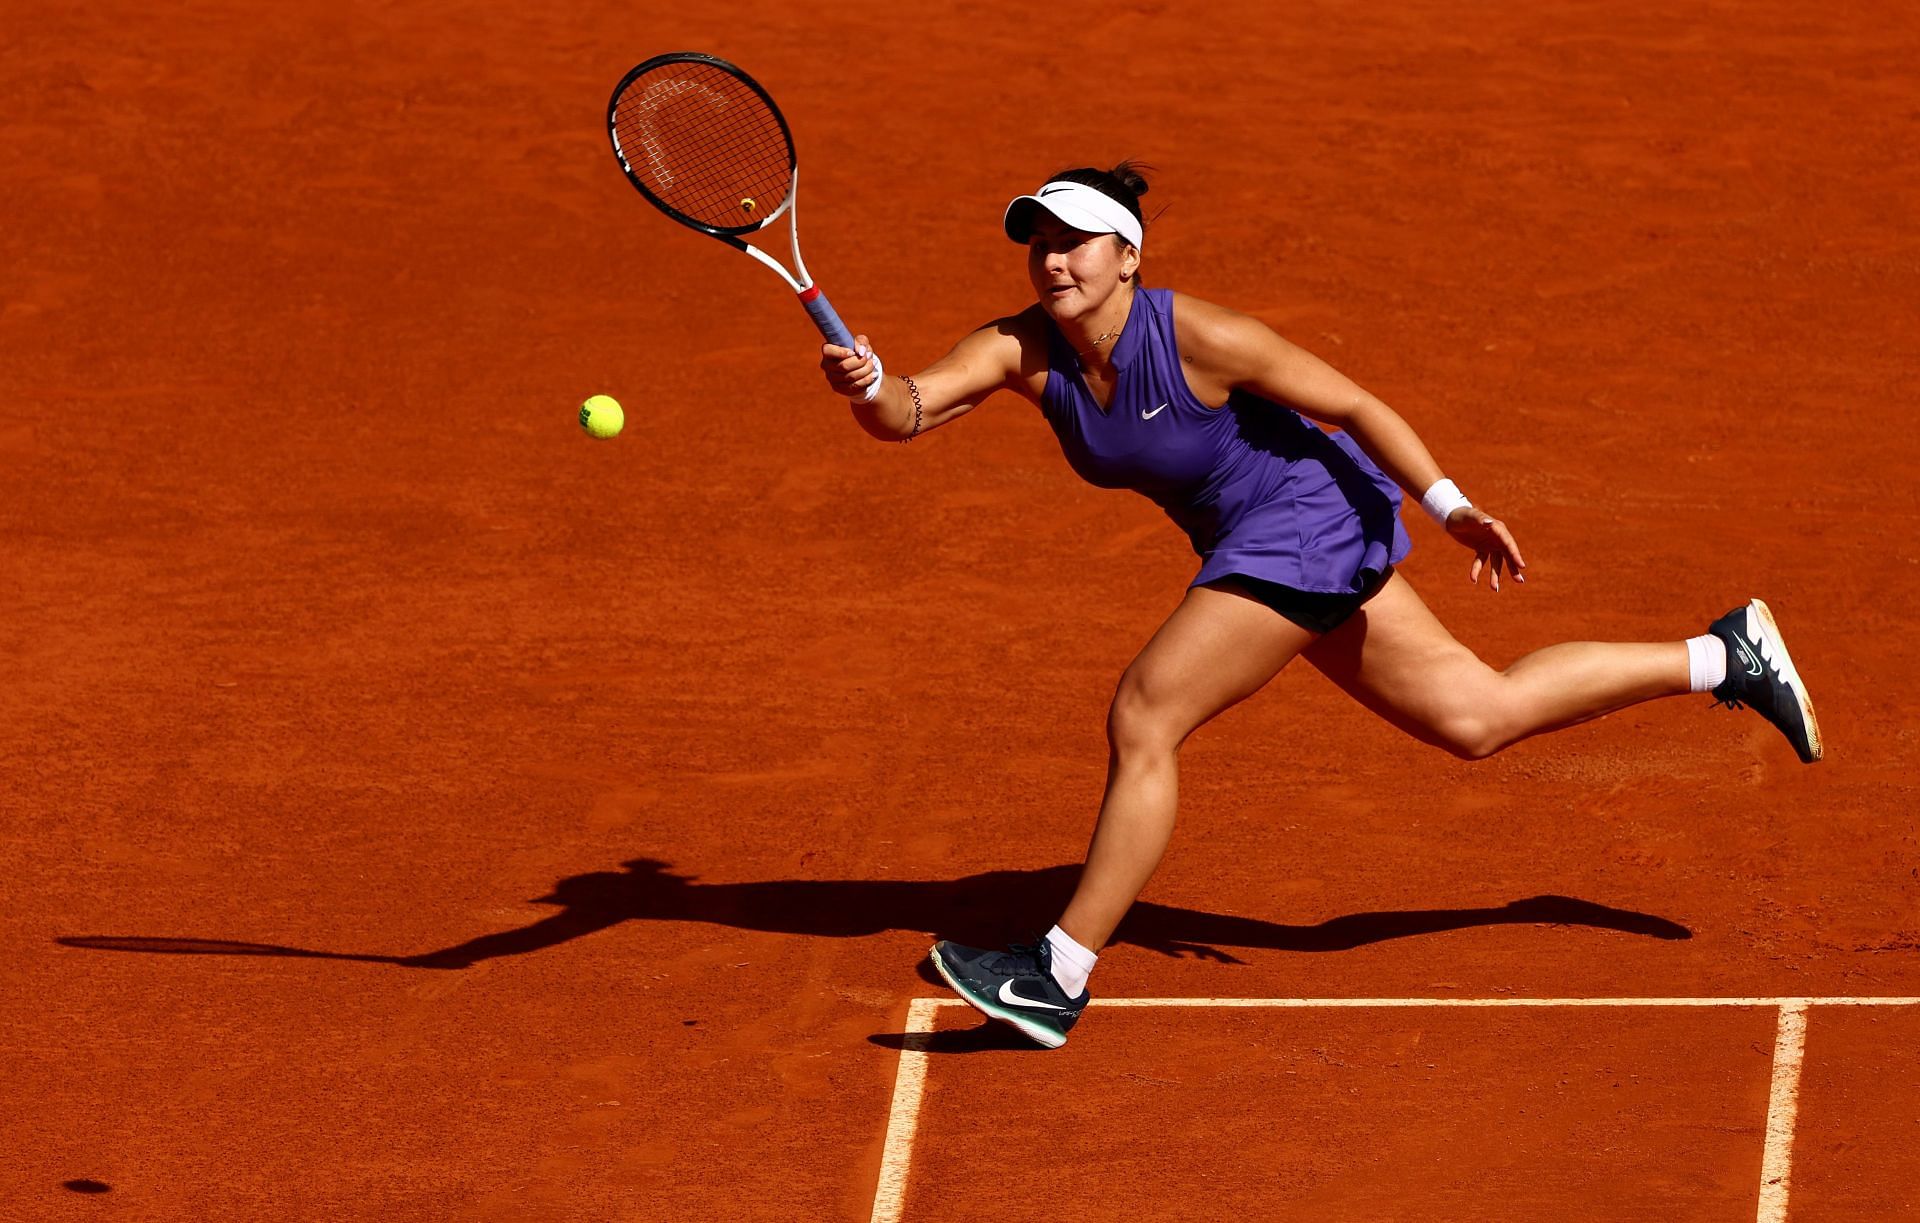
point(416, 810)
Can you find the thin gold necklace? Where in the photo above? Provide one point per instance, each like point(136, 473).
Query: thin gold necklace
point(1097, 342)
point(1102, 339)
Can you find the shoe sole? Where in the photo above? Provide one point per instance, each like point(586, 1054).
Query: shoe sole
point(1792, 676)
point(1033, 1032)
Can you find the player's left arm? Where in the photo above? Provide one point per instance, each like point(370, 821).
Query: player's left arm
point(1227, 351)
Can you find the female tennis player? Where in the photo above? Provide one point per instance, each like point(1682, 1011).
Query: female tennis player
point(1207, 412)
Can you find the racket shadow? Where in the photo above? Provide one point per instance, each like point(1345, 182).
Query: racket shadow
point(211, 946)
point(971, 909)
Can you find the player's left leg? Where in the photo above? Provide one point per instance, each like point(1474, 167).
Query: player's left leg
point(1397, 659)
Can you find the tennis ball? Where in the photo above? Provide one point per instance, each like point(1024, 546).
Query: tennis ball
point(601, 416)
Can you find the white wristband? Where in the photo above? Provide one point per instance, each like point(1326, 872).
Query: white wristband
point(879, 376)
point(1442, 500)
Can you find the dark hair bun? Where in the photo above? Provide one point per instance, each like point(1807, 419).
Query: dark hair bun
point(1126, 182)
point(1131, 175)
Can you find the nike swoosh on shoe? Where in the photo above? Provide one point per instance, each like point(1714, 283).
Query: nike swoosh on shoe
point(1012, 998)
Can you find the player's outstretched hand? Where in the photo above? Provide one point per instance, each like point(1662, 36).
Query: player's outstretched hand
point(849, 370)
point(1492, 544)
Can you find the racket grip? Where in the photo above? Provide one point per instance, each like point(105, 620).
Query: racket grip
point(824, 316)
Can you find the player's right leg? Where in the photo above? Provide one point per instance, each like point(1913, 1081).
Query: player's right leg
point(1216, 649)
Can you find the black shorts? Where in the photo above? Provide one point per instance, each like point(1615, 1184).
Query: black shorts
point(1315, 611)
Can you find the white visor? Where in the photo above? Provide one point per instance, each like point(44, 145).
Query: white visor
point(1076, 204)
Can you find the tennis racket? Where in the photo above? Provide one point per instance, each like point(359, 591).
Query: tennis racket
point(704, 143)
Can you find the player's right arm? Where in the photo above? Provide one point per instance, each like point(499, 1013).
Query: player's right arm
point(984, 361)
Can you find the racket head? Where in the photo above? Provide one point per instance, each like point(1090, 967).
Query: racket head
point(703, 142)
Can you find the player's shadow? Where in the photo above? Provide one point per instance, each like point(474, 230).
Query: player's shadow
point(972, 909)
point(984, 1037)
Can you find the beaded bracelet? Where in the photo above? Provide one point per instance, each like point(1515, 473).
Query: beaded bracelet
point(915, 392)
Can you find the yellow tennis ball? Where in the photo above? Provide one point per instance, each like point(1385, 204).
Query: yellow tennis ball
point(601, 416)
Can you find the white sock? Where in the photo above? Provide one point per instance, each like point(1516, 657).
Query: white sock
point(1072, 963)
point(1706, 662)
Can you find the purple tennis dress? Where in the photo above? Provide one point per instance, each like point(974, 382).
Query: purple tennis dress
point(1259, 489)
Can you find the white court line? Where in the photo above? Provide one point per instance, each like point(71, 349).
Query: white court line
point(1310, 1003)
point(905, 1116)
point(1388, 1002)
point(1782, 1104)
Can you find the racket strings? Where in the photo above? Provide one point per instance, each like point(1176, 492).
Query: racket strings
point(705, 143)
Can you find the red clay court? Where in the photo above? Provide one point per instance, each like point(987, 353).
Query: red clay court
point(416, 810)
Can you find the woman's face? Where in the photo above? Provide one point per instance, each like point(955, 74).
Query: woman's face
point(1075, 272)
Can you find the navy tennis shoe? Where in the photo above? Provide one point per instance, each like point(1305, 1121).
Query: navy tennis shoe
point(1760, 676)
point(1015, 986)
